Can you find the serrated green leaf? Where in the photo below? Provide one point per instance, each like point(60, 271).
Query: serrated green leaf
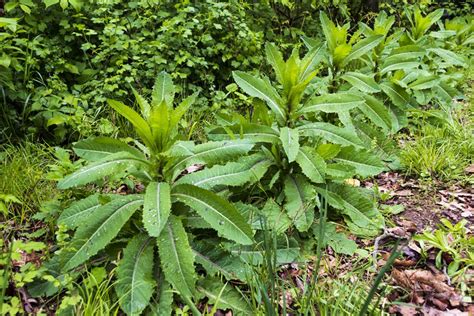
point(181, 109)
point(111, 164)
point(135, 281)
point(99, 229)
point(210, 153)
point(376, 112)
point(276, 218)
point(79, 211)
point(163, 90)
point(215, 260)
point(275, 59)
point(359, 209)
point(96, 148)
point(290, 139)
point(252, 132)
point(363, 47)
point(363, 161)
point(332, 103)
point(157, 207)
point(340, 172)
point(448, 56)
point(246, 170)
point(327, 25)
point(224, 296)
point(222, 215)
point(331, 133)
point(425, 82)
point(177, 258)
point(300, 200)
point(261, 89)
point(312, 164)
point(164, 303)
point(143, 103)
point(397, 95)
point(141, 126)
point(287, 250)
point(362, 82)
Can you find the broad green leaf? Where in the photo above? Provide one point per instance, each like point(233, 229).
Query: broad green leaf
point(364, 83)
point(287, 251)
point(96, 148)
point(309, 63)
point(405, 65)
point(312, 164)
point(376, 112)
point(331, 133)
point(141, 126)
point(275, 59)
point(448, 56)
point(300, 200)
point(327, 25)
point(156, 208)
point(337, 241)
point(339, 171)
point(361, 214)
point(276, 218)
point(143, 103)
point(310, 42)
point(446, 92)
point(224, 296)
point(290, 139)
point(252, 132)
point(111, 164)
point(163, 90)
point(261, 89)
point(211, 153)
point(181, 109)
point(135, 281)
point(397, 95)
point(363, 161)
point(332, 103)
point(216, 260)
point(363, 47)
point(160, 125)
point(222, 215)
point(246, 170)
point(425, 82)
point(328, 151)
point(177, 258)
point(99, 229)
point(79, 211)
point(405, 54)
point(163, 305)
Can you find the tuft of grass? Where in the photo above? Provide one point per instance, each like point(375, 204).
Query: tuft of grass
point(23, 171)
point(442, 152)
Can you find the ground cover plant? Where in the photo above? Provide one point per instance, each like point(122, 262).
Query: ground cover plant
point(267, 158)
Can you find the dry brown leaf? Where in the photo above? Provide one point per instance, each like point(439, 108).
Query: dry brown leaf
point(403, 310)
point(433, 286)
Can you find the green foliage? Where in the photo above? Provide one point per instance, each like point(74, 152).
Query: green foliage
point(27, 163)
point(163, 158)
point(454, 247)
point(297, 169)
point(441, 149)
point(64, 60)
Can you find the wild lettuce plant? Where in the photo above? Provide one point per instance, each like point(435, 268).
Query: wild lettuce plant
point(152, 222)
point(311, 154)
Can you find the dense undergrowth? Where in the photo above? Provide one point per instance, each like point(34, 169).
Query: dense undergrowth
point(231, 180)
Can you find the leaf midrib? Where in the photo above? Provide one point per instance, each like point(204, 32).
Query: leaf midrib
point(213, 209)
